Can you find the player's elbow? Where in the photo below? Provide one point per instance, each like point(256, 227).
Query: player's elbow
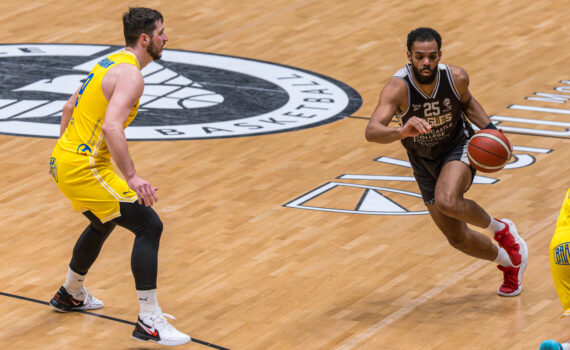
point(105, 128)
point(369, 134)
point(378, 134)
point(108, 129)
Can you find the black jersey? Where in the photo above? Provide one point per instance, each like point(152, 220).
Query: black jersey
point(442, 110)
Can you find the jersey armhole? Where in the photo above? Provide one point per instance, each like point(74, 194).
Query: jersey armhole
point(399, 115)
point(452, 82)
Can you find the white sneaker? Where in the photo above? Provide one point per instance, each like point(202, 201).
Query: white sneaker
point(90, 302)
point(155, 328)
point(65, 302)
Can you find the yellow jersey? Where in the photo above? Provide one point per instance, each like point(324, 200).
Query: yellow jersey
point(559, 253)
point(83, 135)
point(80, 163)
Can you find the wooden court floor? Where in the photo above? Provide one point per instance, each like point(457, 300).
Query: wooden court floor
point(241, 270)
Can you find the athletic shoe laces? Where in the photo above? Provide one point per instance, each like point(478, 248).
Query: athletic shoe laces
point(160, 319)
point(506, 238)
point(510, 278)
point(507, 241)
point(88, 296)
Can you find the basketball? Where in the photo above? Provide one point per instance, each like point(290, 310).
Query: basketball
point(489, 150)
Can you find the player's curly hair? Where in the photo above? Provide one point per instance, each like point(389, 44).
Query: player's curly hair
point(423, 34)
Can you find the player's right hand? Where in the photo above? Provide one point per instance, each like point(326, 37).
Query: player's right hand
point(415, 126)
point(145, 191)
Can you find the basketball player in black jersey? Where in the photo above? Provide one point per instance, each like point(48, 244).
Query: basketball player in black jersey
point(434, 106)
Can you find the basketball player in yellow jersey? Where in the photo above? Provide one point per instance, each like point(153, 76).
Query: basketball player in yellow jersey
point(92, 131)
point(83, 145)
point(559, 253)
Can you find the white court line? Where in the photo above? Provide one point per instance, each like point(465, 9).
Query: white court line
point(403, 311)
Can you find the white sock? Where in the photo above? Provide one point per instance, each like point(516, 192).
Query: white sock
point(495, 225)
point(503, 258)
point(148, 303)
point(74, 284)
point(565, 346)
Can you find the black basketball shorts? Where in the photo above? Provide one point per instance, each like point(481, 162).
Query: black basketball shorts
point(426, 171)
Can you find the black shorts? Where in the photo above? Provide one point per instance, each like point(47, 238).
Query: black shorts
point(426, 171)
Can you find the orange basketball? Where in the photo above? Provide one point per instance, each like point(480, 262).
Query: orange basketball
point(489, 150)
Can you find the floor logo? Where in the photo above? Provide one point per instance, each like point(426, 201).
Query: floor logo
point(366, 198)
point(188, 95)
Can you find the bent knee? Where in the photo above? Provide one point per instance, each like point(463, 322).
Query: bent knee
point(156, 227)
point(151, 228)
point(447, 204)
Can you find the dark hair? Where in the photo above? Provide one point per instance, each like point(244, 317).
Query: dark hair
point(137, 21)
point(423, 34)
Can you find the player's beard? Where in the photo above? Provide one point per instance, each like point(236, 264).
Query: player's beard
point(423, 79)
point(155, 54)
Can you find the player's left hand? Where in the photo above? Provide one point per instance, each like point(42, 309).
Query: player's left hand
point(145, 191)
